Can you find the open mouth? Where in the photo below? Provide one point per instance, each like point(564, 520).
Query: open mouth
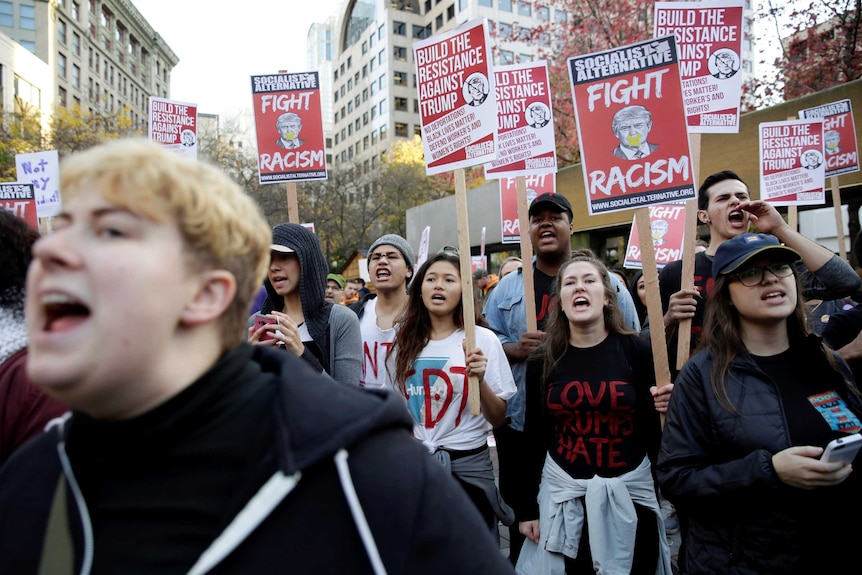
point(581, 303)
point(63, 312)
point(736, 216)
point(773, 295)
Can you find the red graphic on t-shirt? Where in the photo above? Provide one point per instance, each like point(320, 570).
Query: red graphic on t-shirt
point(594, 422)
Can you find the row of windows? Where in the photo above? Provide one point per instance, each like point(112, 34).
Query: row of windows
point(402, 130)
point(26, 15)
point(117, 40)
point(543, 13)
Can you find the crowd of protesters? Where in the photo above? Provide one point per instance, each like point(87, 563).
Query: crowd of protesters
point(332, 429)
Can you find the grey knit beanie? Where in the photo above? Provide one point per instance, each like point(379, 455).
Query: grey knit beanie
point(399, 243)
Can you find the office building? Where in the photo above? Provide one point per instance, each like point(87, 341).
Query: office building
point(104, 55)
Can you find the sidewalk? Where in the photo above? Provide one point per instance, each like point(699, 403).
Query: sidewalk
point(672, 540)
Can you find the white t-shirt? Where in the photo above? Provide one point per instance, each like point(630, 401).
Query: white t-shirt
point(375, 343)
point(437, 397)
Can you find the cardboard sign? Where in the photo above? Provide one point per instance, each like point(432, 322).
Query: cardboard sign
point(457, 99)
point(631, 126)
point(20, 199)
point(839, 136)
point(709, 40)
point(477, 263)
point(792, 167)
point(42, 169)
point(174, 125)
point(422, 254)
point(289, 126)
point(667, 226)
point(536, 185)
point(525, 122)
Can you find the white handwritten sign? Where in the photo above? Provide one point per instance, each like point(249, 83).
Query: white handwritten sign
point(42, 169)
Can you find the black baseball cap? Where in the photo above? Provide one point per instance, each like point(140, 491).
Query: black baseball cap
point(557, 202)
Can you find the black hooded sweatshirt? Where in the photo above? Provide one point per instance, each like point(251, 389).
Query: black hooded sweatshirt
point(321, 462)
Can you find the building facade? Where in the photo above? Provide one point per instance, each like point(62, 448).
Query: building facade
point(104, 55)
point(25, 80)
point(320, 56)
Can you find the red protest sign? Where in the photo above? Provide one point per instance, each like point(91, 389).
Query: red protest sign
point(839, 136)
point(289, 126)
point(20, 199)
point(667, 227)
point(457, 101)
point(174, 125)
point(631, 126)
point(792, 169)
point(709, 39)
point(525, 124)
point(536, 185)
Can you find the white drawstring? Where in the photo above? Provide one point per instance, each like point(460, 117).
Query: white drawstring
point(358, 515)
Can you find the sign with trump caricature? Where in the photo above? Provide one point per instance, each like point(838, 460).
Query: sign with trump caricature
point(709, 38)
point(289, 126)
point(457, 99)
point(525, 123)
point(632, 126)
point(839, 136)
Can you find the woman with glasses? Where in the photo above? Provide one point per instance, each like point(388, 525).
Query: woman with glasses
point(747, 422)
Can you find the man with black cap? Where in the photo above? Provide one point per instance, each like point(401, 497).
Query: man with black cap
point(390, 265)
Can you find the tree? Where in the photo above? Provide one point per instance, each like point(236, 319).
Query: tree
point(73, 129)
point(20, 133)
point(590, 26)
point(818, 44)
point(404, 184)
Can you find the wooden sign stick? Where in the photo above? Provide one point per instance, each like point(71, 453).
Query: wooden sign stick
point(292, 205)
point(839, 219)
point(656, 318)
point(683, 347)
point(467, 301)
point(526, 252)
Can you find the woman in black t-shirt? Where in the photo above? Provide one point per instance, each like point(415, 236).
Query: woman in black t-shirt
point(588, 502)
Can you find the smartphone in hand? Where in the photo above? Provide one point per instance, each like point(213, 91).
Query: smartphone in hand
point(261, 320)
point(843, 449)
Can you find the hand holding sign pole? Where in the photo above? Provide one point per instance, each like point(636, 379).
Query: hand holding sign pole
point(684, 327)
point(457, 105)
point(638, 153)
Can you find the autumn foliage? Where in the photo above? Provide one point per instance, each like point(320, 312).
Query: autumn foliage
point(590, 26)
point(819, 47)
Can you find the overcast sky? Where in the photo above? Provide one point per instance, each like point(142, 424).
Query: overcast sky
point(221, 47)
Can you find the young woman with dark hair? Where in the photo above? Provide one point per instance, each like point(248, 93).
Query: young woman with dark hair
point(428, 366)
point(588, 503)
point(747, 422)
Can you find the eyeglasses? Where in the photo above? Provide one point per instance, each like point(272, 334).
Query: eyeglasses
point(450, 251)
point(752, 276)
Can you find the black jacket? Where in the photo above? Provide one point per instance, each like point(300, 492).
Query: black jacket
point(329, 439)
point(715, 466)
